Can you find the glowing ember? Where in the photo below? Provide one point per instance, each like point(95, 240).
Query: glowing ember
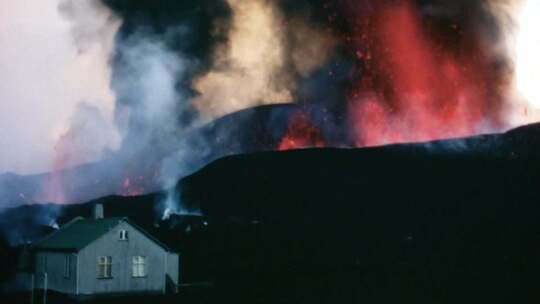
point(301, 133)
point(412, 88)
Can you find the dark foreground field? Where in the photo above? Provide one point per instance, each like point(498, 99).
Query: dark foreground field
point(187, 296)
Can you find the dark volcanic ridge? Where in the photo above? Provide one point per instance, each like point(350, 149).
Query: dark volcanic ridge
point(455, 219)
point(274, 185)
point(124, 174)
point(249, 131)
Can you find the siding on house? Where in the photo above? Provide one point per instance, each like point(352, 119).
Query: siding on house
point(70, 258)
point(53, 263)
point(122, 281)
point(173, 267)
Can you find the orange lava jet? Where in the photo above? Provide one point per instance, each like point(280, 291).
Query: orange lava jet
point(301, 133)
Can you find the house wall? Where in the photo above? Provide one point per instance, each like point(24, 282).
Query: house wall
point(53, 263)
point(122, 253)
point(173, 267)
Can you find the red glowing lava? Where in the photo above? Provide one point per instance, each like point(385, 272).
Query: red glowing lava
point(301, 133)
point(414, 87)
point(132, 187)
point(53, 187)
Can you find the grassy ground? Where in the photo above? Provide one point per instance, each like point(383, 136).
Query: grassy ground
point(187, 296)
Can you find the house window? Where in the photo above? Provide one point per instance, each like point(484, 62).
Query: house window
point(123, 235)
point(67, 266)
point(139, 266)
point(104, 267)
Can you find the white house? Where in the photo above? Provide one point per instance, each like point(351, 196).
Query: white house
point(98, 256)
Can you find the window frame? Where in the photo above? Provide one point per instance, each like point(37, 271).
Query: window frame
point(124, 236)
point(138, 266)
point(104, 270)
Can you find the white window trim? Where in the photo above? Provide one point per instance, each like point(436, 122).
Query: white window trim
point(138, 266)
point(124, 236)
point(105, 263)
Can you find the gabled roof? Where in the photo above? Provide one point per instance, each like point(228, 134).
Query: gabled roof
point(80, 232)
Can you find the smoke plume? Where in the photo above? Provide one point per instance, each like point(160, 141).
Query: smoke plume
point(54, 59)
point(253, 67)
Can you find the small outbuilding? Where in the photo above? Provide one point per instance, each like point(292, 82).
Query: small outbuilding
point(103, 256)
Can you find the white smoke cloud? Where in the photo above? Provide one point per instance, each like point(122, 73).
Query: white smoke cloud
point(54, 57)
point(519, 21)
point(254, 66)
point(527, 52)
point(247, 66)
point(146, 85)
point(151, 104)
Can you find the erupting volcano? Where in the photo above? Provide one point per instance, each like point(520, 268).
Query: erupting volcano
point(370, 147)
point(181, 92)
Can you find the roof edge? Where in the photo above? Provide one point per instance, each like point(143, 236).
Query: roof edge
point(148, 235)
point(120, 219)
point(36, 246)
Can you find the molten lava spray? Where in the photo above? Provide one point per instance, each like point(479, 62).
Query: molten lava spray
point(301, 133)
point(412, 85)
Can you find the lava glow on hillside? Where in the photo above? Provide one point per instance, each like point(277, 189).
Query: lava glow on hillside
point(302, 133)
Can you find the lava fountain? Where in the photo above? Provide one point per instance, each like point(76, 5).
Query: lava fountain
point(418, 81)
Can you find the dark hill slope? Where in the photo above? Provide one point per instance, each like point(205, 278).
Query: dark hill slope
point(445, 222)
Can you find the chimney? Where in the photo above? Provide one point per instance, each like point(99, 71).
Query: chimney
point(98, 211)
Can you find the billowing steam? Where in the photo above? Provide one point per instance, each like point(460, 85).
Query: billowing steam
point(527, 61)
point(527, 50)
point(519, 44)
point(150, 108)
point(253, 67)
point(54, 86)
